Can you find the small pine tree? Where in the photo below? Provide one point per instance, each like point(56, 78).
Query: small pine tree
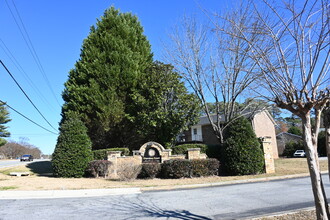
point(242, 154)
point(73, 150)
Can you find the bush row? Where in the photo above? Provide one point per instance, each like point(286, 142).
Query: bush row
point(171, 169)
point(102, 154)
point(180, 168)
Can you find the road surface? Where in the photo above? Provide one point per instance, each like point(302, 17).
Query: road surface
point(221, 202)
point(12, 163)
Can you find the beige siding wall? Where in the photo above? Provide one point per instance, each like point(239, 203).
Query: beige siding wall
point(263, 126)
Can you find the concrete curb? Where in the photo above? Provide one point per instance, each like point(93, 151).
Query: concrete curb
point(42, 194)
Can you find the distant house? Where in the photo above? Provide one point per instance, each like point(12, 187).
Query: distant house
point(283, 138)
point(202, 132)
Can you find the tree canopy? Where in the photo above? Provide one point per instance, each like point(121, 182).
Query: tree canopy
point(112, 60)
point(120, 94)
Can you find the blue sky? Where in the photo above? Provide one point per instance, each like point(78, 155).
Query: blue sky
point(56, 30)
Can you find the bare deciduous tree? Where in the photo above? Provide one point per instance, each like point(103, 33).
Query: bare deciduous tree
point(216, 65)
point(293, 57)
point(14, 149)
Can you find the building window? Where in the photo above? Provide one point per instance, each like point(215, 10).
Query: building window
point(195, 131)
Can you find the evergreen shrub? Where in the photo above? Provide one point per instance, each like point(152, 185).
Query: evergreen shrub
point(150, 170)
point(175, 169)
point(73, 149)
point(241, 153)
point(179, 168)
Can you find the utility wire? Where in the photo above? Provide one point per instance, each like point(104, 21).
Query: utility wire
point(26, 76)
point(29, 44)
point(27, 118)
point(26, 95)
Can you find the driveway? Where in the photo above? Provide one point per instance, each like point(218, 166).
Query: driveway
point(221, 202)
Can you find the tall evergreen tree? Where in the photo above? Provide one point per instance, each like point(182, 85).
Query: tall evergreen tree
point(113, 58)
point(4, 119)
point(73, 149)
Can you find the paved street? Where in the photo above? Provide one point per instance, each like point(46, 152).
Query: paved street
point(12, 163)
point(222, 202)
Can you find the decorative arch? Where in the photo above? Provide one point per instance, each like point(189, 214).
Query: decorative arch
point(151, 144)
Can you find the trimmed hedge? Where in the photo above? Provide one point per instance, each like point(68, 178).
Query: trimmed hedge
point(150, 170)
point(97, 168)
point(212, 151)
point(205, 167)
point(102, 154)
point(175, 169)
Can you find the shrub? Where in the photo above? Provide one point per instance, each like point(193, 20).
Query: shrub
point(150, 170)
point(190, 168)
point(175, 169)
point(73, 149)
point(291, 147)
point(204, 167)
point(128, 170)
point(213, 151)
point(102, 154)
point(241, 154)
point(97, 168)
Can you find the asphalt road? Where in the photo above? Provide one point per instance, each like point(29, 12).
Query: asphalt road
point(12, 163)
point(222, 202)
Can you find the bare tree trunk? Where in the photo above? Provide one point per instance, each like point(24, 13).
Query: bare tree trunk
point(320, 199)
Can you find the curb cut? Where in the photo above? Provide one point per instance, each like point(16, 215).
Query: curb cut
point(53, 194)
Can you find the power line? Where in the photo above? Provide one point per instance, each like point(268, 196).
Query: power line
point(27, 118)
point(30, 46)
point(26, 94)
point(26, 76)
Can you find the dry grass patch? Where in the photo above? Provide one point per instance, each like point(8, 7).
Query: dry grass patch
point(20, 168)
point(288, 166)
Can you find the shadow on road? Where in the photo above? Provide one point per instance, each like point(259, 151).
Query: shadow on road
point(41, 168)
point(147, 209)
